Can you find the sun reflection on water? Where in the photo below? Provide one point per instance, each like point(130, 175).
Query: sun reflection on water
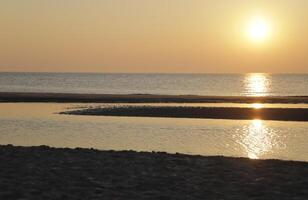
point(257, 105)
point(257, 139)
point(257, 84)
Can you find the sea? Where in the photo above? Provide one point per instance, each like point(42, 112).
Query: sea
point(33, 124)
point(182, 84)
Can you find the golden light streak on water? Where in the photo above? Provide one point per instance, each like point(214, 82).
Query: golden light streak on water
point(258, 139)
point(257, 105)
point(257, 84)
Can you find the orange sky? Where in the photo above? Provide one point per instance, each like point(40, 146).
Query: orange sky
point(174, 36)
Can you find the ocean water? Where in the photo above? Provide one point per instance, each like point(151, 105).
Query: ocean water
point(30, 124)
point(198, 84)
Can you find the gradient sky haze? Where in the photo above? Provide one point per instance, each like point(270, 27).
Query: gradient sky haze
point(166, 36)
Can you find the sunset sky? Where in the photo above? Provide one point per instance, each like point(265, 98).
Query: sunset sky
point(172, 36)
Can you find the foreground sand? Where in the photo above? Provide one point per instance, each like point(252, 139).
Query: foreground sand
point(142, 98)
point(49, 173)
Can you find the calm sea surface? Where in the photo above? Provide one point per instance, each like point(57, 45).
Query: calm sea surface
point(30, 124)
point(200, 84)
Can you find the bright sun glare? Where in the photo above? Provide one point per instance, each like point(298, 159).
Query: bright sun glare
point(258, 29)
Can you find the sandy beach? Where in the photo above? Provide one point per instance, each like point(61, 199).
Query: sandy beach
point(142, 98)
point(54, 173)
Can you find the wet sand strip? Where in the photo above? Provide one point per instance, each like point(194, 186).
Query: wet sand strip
point(141, 98)
point(281, 114)
point(55, 173)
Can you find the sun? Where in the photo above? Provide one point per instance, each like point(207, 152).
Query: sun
point(258, 29)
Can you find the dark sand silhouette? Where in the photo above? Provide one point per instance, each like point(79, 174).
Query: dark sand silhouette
point(141, 98)
point(49, 173)
point(282, 114)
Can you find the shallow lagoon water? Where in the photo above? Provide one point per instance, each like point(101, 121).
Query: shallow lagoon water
point(29, 124)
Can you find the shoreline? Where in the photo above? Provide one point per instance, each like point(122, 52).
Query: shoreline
point(63, 173)
point(143, 98)
point(278, 114)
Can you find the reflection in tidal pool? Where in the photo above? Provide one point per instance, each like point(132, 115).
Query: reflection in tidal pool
point(257, 105)
point(28, 124)
point(257, 139)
